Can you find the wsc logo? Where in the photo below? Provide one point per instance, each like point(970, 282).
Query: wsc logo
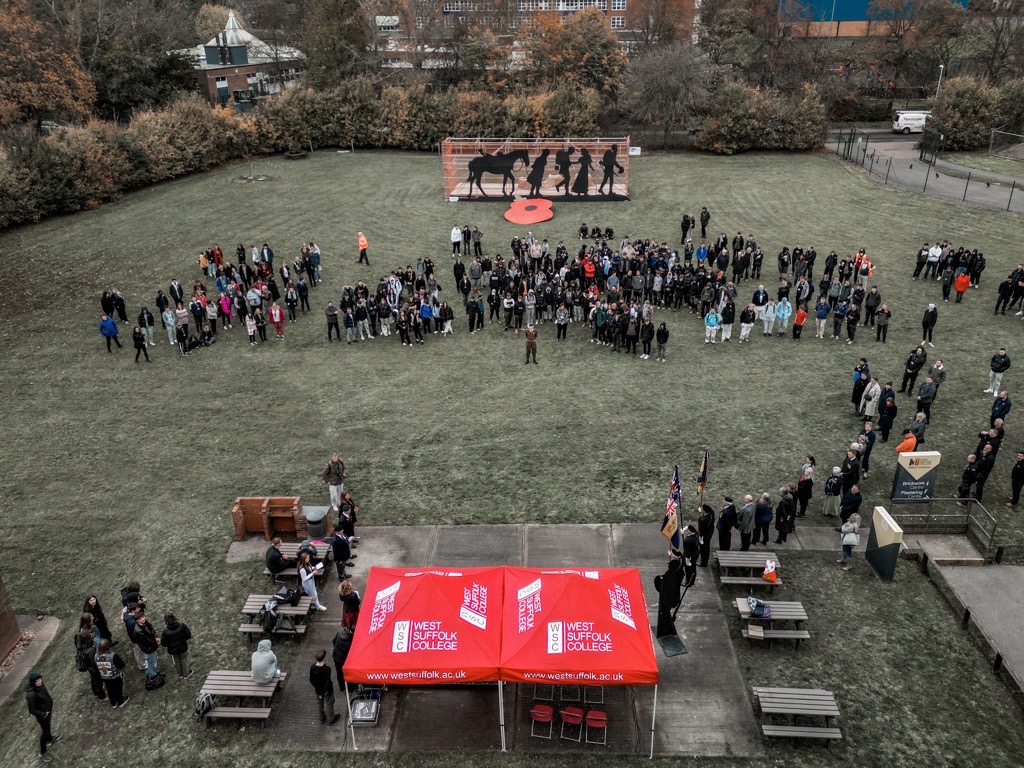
point(556, 637)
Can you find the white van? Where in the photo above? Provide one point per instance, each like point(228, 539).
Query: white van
point(909, 121)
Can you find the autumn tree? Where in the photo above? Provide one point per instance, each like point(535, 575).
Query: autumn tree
point(997, 34)
point(659, 22)
point(912, 37)
point(41, 74)
point(336, 36)
point(668, 87)
point(579, 49)
point(211, 19)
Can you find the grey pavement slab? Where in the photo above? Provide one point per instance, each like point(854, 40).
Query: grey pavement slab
point(555, 546)
point(478, 545)
point(17, 673)
point(394, 546)
point(447, 717)
point(993, 593)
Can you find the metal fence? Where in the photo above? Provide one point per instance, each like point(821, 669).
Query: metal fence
point(930, 176)
point(946, 516)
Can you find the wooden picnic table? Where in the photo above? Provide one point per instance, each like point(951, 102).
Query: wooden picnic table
point(238, 684)
point(806, 702)
point(254, 603)
point(780, 611)
point(751, 564)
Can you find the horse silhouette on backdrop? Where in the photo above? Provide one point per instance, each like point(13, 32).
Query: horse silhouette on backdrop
point(498, 163)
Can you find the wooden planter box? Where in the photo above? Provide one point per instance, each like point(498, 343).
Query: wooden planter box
point(271, 516)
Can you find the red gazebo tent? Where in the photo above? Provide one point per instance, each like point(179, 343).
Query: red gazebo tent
point(579, 626)
point(428, 626)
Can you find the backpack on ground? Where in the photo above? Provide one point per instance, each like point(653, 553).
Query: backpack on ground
point(285, 623)
point(152, 683)
point(204, 703)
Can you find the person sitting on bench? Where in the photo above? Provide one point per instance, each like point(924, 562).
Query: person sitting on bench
point(276, 562)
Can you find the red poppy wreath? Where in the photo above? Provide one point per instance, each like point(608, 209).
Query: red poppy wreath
point(529, 211)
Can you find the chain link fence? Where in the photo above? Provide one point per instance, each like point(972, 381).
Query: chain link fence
point(925, 172)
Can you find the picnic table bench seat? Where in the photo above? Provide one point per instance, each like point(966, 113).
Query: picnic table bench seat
point(750, 581)
point(255, 629)
point(238, 713)
point(757, 633)
point(801, 732)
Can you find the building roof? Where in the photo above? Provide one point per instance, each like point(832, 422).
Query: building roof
point(260, 52)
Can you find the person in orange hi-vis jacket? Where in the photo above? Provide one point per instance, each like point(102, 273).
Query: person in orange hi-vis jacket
point(364, 244)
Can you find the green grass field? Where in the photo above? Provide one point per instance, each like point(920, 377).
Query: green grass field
point(984, 161)
point(129, 471)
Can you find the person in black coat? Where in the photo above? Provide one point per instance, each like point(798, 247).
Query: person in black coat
point(785, 514)
point(669, 586)
point(1016, 481)
point(691, 551)
point(762, 518)
point(276, 562)
point(320, 679)
point(174, 640)
point(804, 492)
point(728, 519)
point(85, 653)
point(339, 652)
point(342, 551)
point(850, 470)
point(40, 706)
point(931, 316)
point(92, 605)
point(705, 529)
point(915, 362)
point(850, 504)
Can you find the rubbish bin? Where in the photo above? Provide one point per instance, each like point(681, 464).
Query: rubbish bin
point(317, 521)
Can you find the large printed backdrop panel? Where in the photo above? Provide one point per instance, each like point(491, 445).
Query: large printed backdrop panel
point(556, 169)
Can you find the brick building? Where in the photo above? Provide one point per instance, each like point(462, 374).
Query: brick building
point(236, 65)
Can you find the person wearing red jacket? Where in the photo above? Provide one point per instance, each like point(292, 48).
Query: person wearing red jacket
point(961, 284)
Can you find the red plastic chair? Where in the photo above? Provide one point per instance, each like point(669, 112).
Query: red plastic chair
point(542, 713)
point(572, 716)
point(597, 721)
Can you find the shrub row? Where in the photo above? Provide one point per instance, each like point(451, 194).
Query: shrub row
point(745, 119)
point(968, 110)
point(85, 166)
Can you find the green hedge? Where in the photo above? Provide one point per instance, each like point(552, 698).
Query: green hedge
point(745, 119)
point(85, 166)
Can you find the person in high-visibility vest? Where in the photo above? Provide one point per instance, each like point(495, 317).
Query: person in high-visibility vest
point(364, 244)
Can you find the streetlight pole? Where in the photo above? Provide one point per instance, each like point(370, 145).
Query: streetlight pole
point(939, 85)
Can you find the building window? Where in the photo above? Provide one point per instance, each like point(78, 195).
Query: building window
point(618, 5)
point(222, 79)
point(579, 5)
point(534, 5)
point(618, 22)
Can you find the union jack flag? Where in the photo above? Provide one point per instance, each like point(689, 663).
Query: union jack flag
point(670, 523)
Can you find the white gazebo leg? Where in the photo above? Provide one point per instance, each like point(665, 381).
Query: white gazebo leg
point(654, 716)
point(351, 727)
point(501, 712)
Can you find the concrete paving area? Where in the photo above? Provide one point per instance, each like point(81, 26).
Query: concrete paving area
point(703, 703)
point(993, 595)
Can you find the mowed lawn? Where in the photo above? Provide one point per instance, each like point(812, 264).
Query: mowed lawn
point(113, 471)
